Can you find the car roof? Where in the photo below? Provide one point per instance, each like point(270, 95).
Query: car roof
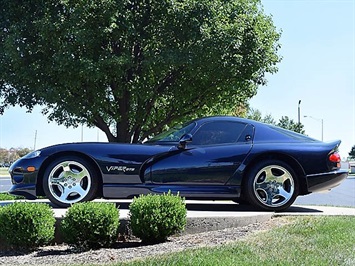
point(225, 118)
point(263, 132)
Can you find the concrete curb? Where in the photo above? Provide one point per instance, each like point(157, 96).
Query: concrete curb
point(193, 225)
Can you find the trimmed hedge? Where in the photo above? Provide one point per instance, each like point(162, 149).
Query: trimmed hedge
point(7, 196)
point(153, 218)
point(26, 226)
point(91, 225)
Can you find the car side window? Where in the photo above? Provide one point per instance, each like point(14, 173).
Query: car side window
point(221, 132)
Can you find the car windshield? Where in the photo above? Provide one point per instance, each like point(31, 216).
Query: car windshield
point(173, 134)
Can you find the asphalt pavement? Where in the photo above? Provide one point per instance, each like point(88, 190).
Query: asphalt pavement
point(5, 183)
point(342, 195)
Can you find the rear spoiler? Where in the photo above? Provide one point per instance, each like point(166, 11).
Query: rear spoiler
point(332, 145)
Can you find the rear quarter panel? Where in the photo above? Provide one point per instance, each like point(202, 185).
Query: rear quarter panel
point(312, 157)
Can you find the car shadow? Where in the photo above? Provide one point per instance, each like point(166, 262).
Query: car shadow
point(302, 209)
point(238, 207)
point(219, 206)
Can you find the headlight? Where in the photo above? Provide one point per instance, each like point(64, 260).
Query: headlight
point(33, 154)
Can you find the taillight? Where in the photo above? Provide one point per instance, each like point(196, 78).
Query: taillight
point(335, 160)
point(335, 157)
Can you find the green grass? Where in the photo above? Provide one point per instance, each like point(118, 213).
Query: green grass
point(316, 240)
point(4, 171)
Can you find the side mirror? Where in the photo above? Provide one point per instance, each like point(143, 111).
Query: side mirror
point(184, 140)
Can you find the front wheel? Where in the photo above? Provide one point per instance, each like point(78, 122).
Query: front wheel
point(271, 185)
point(69, 180)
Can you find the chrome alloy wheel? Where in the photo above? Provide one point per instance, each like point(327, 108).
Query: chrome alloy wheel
point(69, 182)
point(273, 186)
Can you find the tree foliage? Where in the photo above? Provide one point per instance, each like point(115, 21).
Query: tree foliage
point(7, 157)
point(290, 124)
point(284, 122)
point(131, 67)
point(256, 115)
point(352, 153)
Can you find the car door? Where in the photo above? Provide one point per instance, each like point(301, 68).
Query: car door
point(216, 151)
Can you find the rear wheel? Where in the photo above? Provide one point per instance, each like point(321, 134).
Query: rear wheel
point(271, 185)
point(68, 180)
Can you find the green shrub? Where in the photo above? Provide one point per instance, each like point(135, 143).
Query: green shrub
point(7, 196)
point(26, 226)
point(153, 218)
point(91, 225)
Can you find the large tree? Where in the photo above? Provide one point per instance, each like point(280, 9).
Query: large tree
point(131, 67)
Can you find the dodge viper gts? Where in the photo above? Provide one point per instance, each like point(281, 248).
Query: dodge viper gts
point(209, 158)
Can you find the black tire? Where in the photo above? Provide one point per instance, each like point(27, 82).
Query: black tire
point(271, 185)
point(241, 201)
point(68, 180)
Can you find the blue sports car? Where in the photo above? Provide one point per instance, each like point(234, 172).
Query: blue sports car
point(209, 158)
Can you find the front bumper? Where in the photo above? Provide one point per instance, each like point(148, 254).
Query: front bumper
point(24, 181)
point(26, 190)
point(325, 181)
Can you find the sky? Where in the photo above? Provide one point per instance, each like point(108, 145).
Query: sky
point(318, 68)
